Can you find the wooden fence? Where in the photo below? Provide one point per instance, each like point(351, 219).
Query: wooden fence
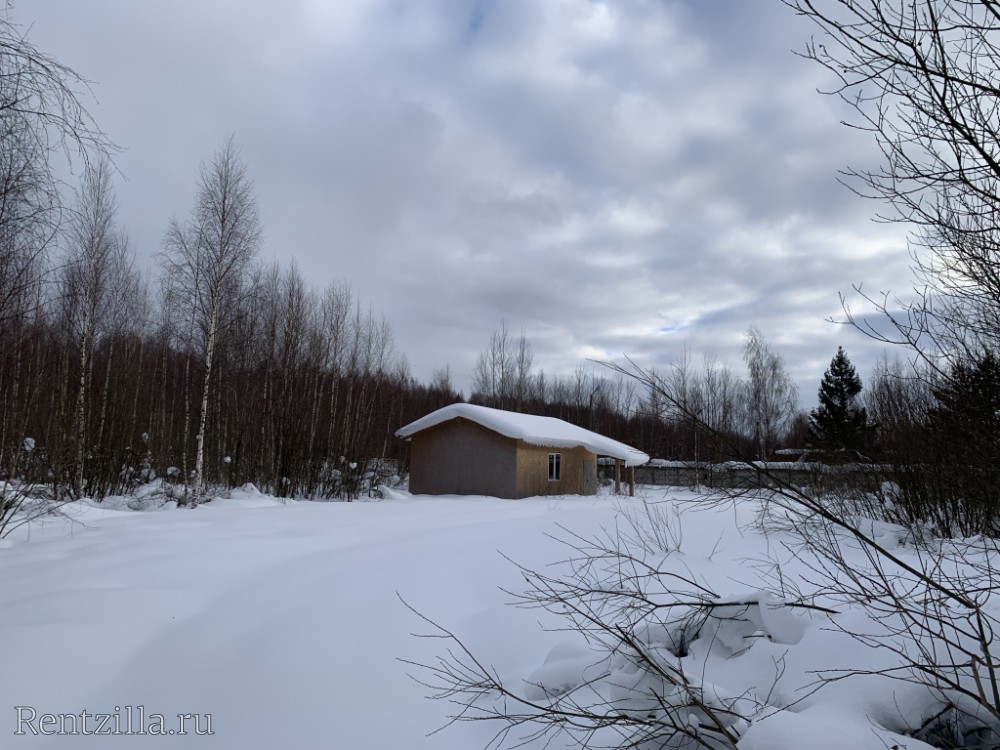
point(739, 475)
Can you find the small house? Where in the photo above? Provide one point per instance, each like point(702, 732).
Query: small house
point(464, 449)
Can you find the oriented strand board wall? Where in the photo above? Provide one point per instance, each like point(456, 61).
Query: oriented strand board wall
point(533, 471)
point(459, 457)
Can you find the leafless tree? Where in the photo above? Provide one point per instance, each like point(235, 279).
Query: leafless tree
point(41, 113)
point(38, 91)
point(441, 380)
point(771, 395)
point(653, 404)
point(502, 376)
point(208, 262)
point(721, 388)
point(42, 116)
point(93, 280)
point(921, 78)
point(29, 219)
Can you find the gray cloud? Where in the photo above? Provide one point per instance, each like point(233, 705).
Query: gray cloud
point(609, 177)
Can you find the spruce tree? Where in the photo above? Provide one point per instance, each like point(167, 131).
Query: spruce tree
point(964, 422)
point(839, 421)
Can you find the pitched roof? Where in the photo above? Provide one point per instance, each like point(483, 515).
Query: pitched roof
point(547, 431)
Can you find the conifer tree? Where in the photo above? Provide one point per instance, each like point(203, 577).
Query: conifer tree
point(839, 421)
point(964, 423)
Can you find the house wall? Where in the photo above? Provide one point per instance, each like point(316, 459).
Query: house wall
point(459, 457)
point(533, 471)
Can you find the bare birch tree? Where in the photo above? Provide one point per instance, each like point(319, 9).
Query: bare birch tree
point(209, 260)
point(721, 389)
point(772, 397)
point(42, 115)
point(502, 376)
point(92, 282)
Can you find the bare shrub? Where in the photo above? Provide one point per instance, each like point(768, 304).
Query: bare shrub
point(637, 674)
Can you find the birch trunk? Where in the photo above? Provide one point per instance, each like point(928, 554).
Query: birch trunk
point(199, 457)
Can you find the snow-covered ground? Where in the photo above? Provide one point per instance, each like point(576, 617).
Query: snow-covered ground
point(283, 622)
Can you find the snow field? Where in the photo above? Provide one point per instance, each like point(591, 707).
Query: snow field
point(282, 621)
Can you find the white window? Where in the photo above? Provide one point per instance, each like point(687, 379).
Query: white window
point(555, 468)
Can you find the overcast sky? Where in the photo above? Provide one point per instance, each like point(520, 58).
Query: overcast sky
point(629, 176)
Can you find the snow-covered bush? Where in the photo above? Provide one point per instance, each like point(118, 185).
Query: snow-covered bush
point(932, 603)
point(22, 503)
point(342, 479)
point(928, 596)
point(658, 655)
point(641, 669)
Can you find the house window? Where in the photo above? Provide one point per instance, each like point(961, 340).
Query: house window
point(555, 470)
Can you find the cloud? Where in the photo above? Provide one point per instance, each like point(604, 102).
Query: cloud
point(609, 177)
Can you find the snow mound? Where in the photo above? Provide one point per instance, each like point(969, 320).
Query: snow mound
point(566, 666)
point(735, 622)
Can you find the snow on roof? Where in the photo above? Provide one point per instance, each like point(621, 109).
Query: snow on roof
point(547, 431)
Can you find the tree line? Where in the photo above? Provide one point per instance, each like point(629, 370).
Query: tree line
point(930, 429)
point(755, 413)
point(223, 370)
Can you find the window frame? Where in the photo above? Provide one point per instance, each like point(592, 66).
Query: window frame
point(555, 467)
